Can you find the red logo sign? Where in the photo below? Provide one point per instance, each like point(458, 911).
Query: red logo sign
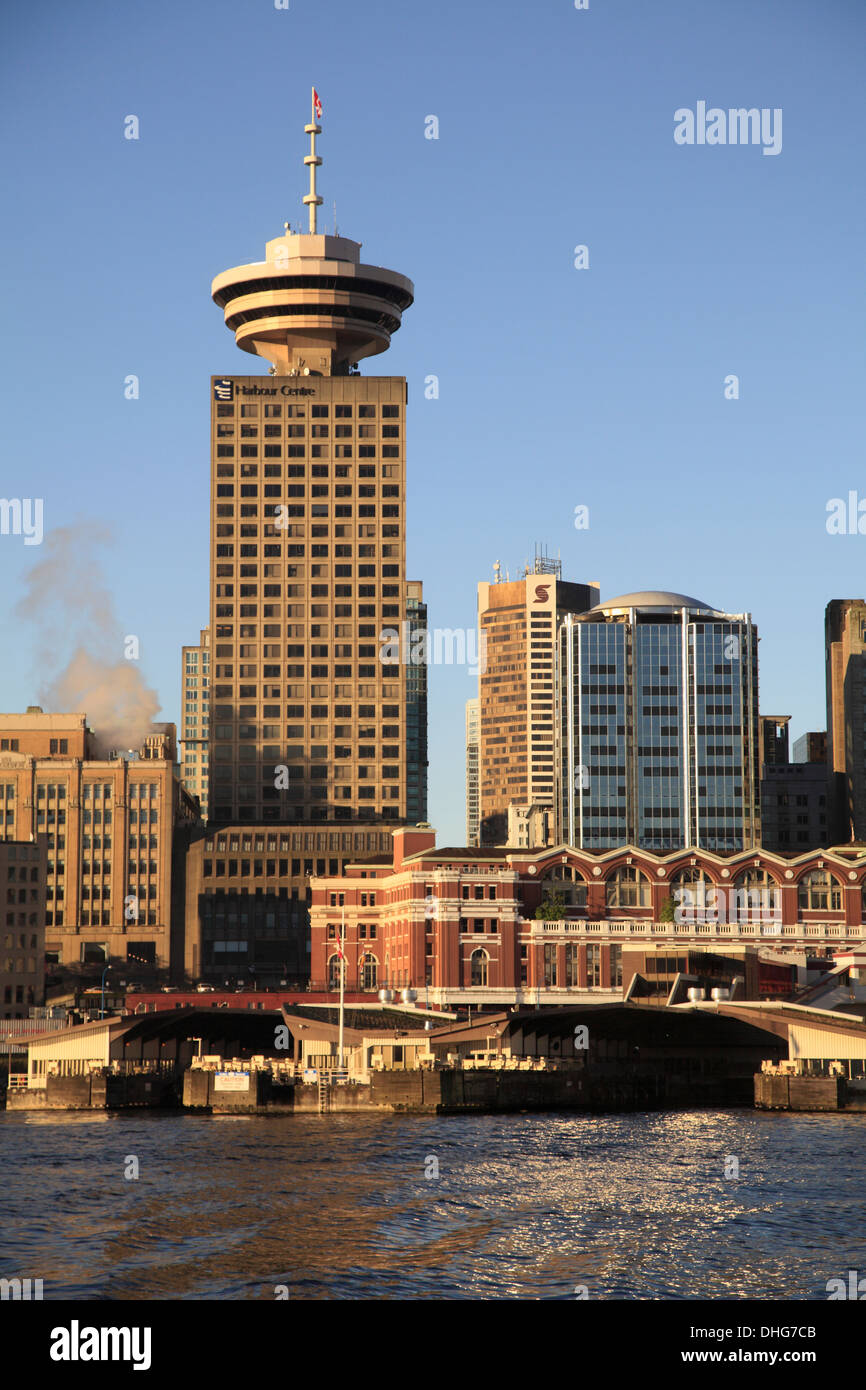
point(542, 593)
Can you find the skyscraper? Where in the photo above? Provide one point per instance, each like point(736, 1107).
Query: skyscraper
point(318, 747)
point(308, 541)
point(518, 621)
point(658, 724)
point(472, 721)
point(195, 695)
point(845, 653)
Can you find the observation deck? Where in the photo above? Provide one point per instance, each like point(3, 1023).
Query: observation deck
point(312, 306)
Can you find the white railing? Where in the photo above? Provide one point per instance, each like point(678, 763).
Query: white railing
point(744, 931)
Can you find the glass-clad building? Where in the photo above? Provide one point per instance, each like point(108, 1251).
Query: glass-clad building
point(658, 726)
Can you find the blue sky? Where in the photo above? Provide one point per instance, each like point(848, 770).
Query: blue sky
point(558, 387)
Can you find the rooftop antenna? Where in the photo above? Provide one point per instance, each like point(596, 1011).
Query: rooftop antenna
point(336, 233)
point(497, 573)
point(312, 159)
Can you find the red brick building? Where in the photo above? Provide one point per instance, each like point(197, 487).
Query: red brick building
point(459, 926)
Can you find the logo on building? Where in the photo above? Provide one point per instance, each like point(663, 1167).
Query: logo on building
point(542, 593)
point(223, 389)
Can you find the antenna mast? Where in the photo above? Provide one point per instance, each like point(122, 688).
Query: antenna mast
point(313, 160)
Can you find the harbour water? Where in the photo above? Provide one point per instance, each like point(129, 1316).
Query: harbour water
point(634, 1206)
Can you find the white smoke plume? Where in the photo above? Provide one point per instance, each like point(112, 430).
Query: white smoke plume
point(68, 602)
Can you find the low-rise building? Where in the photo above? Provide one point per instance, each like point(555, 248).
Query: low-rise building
point(504, 927)
point(107, 826)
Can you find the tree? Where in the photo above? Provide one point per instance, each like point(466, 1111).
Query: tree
point(666, 913)
point(551, 908)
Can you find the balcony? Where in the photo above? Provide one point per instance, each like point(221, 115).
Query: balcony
point(618, 929)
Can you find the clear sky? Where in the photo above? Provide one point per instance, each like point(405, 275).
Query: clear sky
point(559, 387)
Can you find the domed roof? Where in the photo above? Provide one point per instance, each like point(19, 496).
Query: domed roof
point(653, 598)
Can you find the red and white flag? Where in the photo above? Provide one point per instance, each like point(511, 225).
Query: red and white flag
point(317, 105)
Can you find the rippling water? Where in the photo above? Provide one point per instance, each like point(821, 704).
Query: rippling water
point(525, 1206)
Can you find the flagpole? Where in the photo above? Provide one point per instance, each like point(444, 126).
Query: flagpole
point(312, 160)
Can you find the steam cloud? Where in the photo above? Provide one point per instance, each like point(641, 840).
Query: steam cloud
point(69, 603)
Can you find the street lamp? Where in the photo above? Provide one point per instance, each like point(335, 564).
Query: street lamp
point(102, 1004)
point(342, 952)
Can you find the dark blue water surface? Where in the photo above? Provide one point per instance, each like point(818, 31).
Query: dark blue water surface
point(525, 1206)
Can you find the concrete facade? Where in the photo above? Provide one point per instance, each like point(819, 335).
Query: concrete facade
point(108, 830)
point(22, 961)
point(794, 810)
point(195, 717)
point(845, 655)
point(517, 622)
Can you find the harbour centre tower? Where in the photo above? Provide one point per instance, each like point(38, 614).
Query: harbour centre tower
point(316, 747)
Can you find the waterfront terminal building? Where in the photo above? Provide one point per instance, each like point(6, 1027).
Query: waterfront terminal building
point(459, 925)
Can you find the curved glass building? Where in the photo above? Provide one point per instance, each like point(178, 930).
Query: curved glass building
point(658, 726)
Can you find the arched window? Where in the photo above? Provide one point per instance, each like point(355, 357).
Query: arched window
point(756, 897)
point(568, 882)
point(334, 973)
point(693, 892)
point(628, 887)
point(819, 891)
point(369, 971)
point(478, 967)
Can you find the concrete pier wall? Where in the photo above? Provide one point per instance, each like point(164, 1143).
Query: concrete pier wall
point(251, 1092)
point(96, 1091)
point(779, 1092)
point(455, 1091)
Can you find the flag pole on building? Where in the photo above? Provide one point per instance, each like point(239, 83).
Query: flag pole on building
point(312, 200)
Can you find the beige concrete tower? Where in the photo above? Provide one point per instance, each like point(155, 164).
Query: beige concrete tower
point(308, 542)
point(518, 622)
point(845, 655)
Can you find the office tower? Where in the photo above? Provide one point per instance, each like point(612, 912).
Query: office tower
point(472, 721)
point(22, 962)
point(658, 725)
point(195, 696)
point(773, 739)
point(517, 622)
point(845, 654)
point(107, 825)
point(308, 542)
point(318, 738)
point(415, 675)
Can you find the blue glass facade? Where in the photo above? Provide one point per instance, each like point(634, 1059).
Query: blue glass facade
point(658, 730)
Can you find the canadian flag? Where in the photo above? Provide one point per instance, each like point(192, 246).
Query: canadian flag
point(317, 105)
